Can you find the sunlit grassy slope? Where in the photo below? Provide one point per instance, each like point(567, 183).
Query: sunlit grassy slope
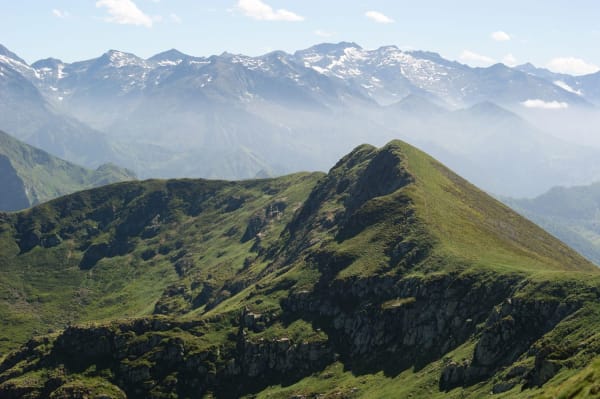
point(468, 224)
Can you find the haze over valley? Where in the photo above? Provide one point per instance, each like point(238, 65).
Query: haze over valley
point(244, 117)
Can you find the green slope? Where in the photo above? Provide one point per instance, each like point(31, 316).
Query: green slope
point(36, 176)
point(465, 223)
point(390, 276)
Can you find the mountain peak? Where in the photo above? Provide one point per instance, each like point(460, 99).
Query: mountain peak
point(498, 67)
point(338, 45)
point(399, 191)
point(169, 55)
point(120, 59)
point(115, 54)
point(490, 109)
point(531, 69)
point(7, 53)
point(527, 65)
point(432, 56)
point(330, 48)
point(51, 63)
point(278, 54)
point(416, 104)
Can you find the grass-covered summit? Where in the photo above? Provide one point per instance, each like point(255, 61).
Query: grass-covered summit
point(29, 176)
point(386, 277)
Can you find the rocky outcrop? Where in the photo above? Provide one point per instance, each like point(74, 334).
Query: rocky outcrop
point(267, 360)
point(255, 225)
point(380, 173)
point(417, 320)
point(150, 354)
point(96, 252)
point(260, 220)
point(509, 331)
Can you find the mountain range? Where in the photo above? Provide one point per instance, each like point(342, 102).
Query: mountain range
point(29, 176)
point(389, 276)
point(234, 116)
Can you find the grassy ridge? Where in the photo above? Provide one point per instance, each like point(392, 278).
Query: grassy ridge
point(167, 225)
point(471, 225)
point(375, 280)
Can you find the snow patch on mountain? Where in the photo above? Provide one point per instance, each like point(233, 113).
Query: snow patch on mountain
point(20, 67)
point(541, 104)
point(384, 75)
point(119, 59)
point(568, 88)
point(169, 62)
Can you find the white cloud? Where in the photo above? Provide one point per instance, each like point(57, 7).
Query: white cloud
point(566, 87)
point(509, 60)
point(378, 17)
point(175, 18)
point(125, 12)
point(572, 66)
point(60, 13)
point(541, 104)
point(261, 11)
point(323, 33)
point(476, 59)
point(500, 36)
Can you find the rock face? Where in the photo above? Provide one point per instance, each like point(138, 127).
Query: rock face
point(509, 331)
point(416, 321)
point(378, 323)
point(145, 357)
point(439, 316)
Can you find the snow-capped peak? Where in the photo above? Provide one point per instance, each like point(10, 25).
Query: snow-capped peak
point(169, 58)
point(12, 61)
point(9, 54)
point(119, 59)
point(50, 69)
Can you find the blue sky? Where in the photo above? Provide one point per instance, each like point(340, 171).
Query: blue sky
point(553, 33)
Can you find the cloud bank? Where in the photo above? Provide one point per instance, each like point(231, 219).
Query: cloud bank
point(124, 12)
point(60, 14)
point(572, 66)
point(471, 57)
point(500, 36)
point(256, 9)
point(379, 17)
